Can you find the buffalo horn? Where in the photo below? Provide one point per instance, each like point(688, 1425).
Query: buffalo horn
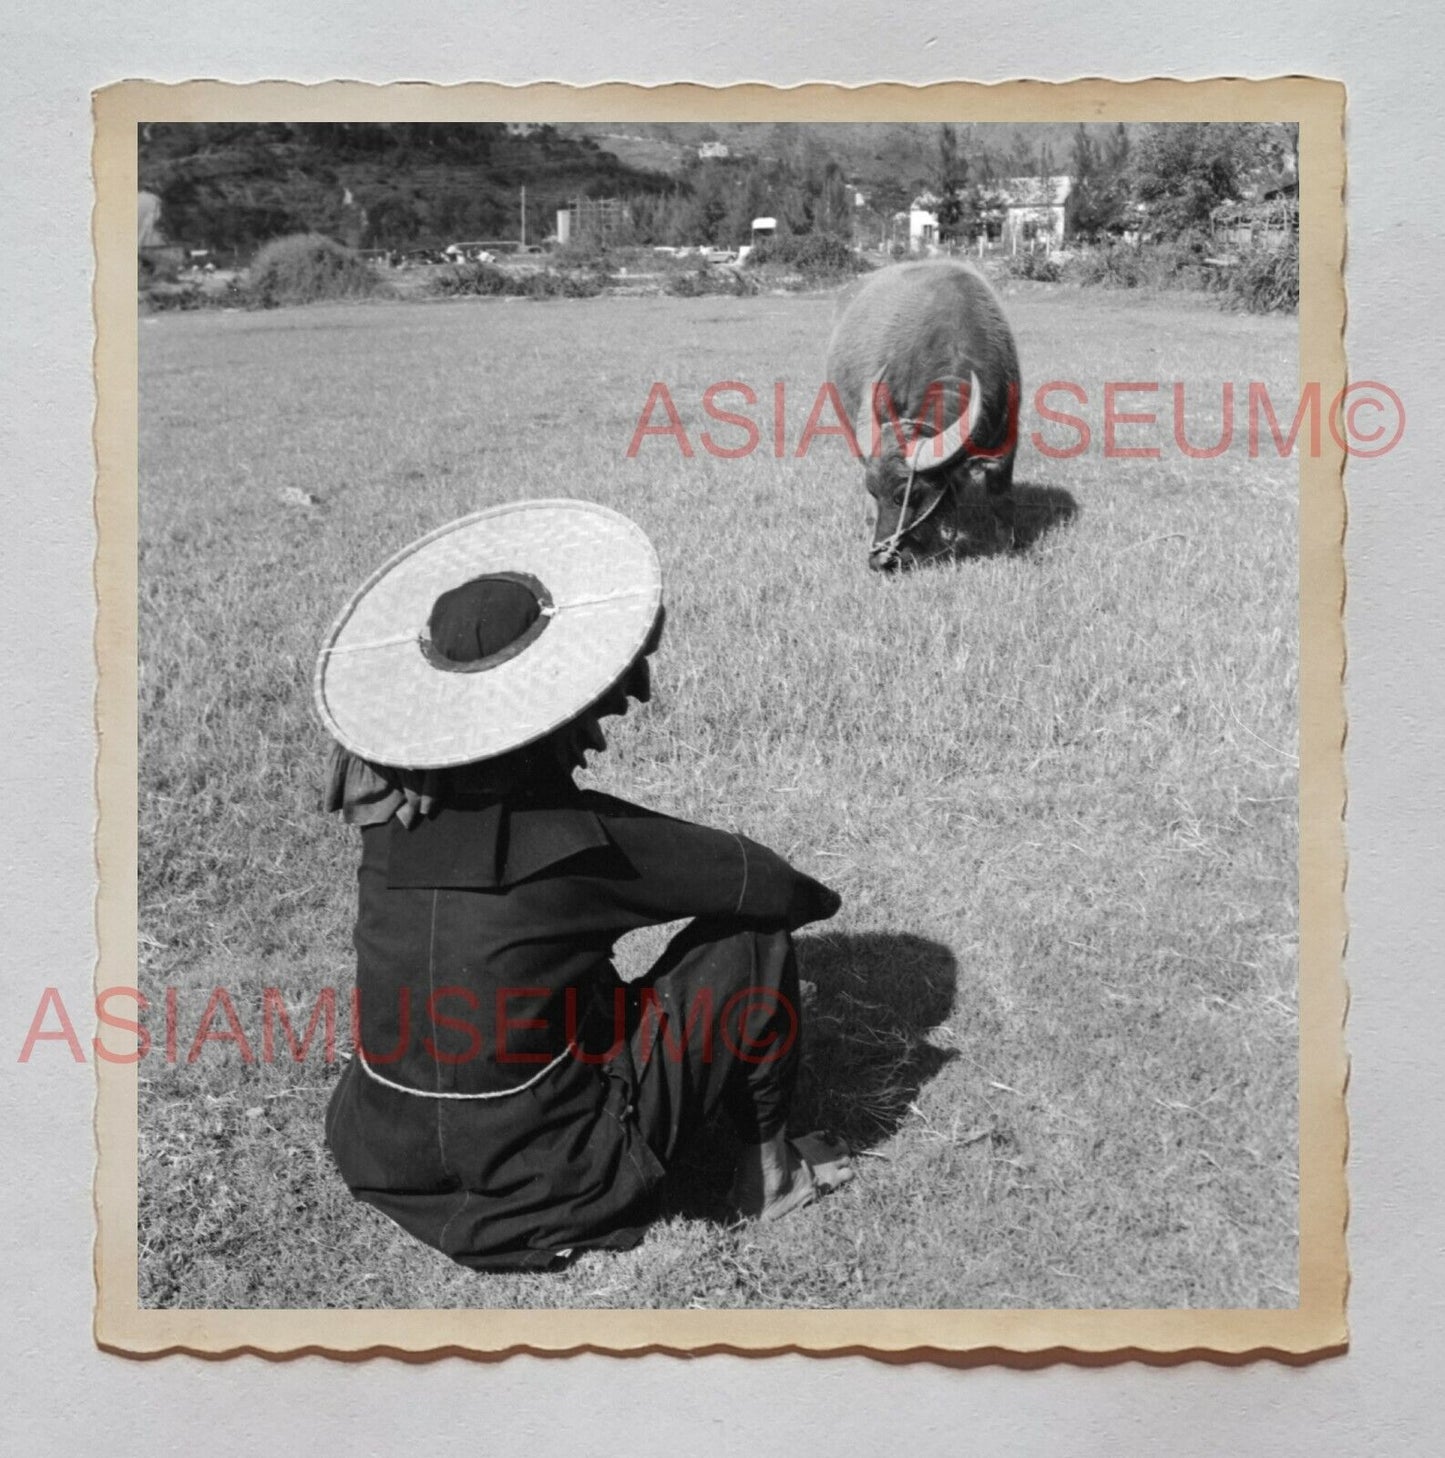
point(924, 453)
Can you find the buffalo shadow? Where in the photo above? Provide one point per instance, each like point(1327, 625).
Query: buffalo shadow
point(869, 1002)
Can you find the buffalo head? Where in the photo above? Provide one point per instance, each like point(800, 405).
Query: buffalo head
point(911, 476)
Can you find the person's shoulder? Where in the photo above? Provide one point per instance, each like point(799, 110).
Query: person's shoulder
point(612, 807)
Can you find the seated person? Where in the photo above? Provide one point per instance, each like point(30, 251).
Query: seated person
point(510, 1100)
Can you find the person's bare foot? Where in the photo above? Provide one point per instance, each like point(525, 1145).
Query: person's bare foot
point(782, 1175)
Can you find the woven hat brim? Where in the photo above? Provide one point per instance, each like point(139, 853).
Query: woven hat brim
point(379, 695)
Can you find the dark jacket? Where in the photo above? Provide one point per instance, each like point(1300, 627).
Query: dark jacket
point(484, 944)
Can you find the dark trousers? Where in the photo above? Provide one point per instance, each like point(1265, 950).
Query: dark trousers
point(506, 1184)
point(715, 1023)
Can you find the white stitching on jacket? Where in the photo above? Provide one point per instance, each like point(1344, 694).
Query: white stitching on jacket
point(502, 1093)
point(742, 895)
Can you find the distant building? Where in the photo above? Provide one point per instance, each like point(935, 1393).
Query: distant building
point(153, 252)
point(1267, 217)
point(1019, 211)
point(1033, 211)
point(712, 149)
point(923, 223)
point(595, 219)
point(149, 220)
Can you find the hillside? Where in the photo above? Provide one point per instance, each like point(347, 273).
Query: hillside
point(866, 152)
point(229, 187)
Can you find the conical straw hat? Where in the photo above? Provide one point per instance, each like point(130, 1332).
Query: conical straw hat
point(384, 693)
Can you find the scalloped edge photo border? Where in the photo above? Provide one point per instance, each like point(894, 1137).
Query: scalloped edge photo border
point(1317, 1326)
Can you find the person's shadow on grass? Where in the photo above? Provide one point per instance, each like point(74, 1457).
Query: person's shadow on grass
point(870, 1000)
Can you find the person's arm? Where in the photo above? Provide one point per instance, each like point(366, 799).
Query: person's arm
point(678, 870)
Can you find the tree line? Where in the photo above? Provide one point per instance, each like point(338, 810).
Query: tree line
point(1164, 179)
point(232, 186)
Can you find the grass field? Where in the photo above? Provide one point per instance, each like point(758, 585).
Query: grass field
point(1057, 791)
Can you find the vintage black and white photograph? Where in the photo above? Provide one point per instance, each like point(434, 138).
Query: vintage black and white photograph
point(719, 714)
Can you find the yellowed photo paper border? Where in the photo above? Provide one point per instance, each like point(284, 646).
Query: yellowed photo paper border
point(1317, 1326)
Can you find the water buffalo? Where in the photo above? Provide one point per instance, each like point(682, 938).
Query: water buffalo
point(922, 350)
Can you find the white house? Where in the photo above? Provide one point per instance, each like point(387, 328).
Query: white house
point(923, 223)
point(1029, 211)
point(1033, 211)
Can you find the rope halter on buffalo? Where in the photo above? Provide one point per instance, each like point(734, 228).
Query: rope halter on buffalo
point(955, 439)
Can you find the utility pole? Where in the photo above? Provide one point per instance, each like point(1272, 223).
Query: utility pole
point(524, 217)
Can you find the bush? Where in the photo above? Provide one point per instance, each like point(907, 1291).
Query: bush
point(303, 268)
point(701, 282)
point(1036, 266)
point(549, 285)
point(474, 279)
point(814, 255)
point(1264, 281)
point(588, 253)
point(159, 298)
point(486, 280)
point(1115, 265)
point(1178, 264)
point(1261, 281)
point(157, 269)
